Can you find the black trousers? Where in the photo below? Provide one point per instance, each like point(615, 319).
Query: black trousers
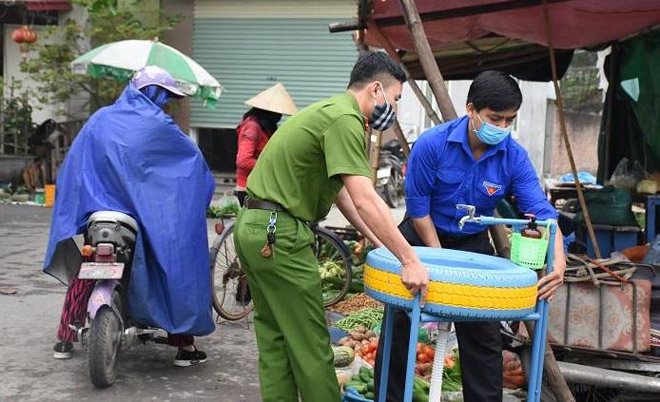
point(479, 343)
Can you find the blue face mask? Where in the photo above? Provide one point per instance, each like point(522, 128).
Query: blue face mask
point(489, 133)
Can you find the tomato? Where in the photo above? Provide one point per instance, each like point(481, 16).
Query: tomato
point(365, 349)
point(419, 348)
point(430, 352)
point(373, 344)
point(449, 362)
point(422, 358)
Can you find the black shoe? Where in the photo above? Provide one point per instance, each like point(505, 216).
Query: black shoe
point(63, 350)
point(186, 359)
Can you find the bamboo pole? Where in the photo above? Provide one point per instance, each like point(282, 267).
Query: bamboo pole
point(403, 141)
point(385, 43)
point(2, 124)
point(427, 60)
point(562, 125)
point(375, 156)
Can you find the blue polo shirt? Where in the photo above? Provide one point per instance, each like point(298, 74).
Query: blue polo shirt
point(442, 173)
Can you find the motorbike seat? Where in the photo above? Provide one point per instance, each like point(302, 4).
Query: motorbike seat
point(113, 216)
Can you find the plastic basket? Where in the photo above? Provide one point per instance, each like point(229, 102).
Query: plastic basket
point(527, 252)
point(353, 396)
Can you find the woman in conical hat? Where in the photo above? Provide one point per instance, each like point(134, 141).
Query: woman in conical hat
point(256, 128)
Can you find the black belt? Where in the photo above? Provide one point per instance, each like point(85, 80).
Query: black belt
point(255, 203)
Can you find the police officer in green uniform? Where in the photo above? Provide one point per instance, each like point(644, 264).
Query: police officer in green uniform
point(316, 158)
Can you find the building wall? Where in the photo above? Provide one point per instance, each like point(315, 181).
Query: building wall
point(582, 129)
point(12, 70)
point(530, 129)
point(75, 107)
point(250, 45)
point(180, 38)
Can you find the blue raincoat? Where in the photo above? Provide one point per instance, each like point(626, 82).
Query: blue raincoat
point(131, 157)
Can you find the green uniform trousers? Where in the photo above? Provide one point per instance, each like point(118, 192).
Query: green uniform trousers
point(292, 336)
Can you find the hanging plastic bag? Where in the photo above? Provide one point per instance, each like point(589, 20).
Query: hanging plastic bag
point(228, 204)
point(626, 177)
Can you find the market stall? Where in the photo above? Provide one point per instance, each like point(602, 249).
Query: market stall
point(532, 40)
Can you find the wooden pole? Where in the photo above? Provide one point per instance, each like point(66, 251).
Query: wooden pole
point(2, 124)
point(427, 60)
point(562, 125)
point(428, 108)
point(375, 156)
point(385, 43)
point(402, 138)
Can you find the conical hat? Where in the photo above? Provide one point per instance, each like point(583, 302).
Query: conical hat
point(274, 99)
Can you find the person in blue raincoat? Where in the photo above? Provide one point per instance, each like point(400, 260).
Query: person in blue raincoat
point(131, 157)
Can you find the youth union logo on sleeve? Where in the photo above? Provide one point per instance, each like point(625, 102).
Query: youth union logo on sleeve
point(491, 188)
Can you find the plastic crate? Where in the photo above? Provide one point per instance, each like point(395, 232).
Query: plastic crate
point(353, 396)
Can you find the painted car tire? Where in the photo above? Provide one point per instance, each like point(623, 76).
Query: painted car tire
point(462, 284)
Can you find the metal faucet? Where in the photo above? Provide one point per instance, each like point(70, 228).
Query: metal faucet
point(469, 217)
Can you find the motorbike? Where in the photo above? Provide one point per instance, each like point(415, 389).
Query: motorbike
point(390, 175)
point(110, 239)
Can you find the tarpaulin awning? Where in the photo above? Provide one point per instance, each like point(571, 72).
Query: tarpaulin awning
point(47, 5)
point(469, 36)
point(576, 23)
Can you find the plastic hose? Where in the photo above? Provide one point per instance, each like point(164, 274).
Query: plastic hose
point(435, 395)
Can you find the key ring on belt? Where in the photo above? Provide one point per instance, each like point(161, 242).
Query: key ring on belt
point(272, 221)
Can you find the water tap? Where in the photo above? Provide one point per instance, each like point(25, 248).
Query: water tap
point(469, 217)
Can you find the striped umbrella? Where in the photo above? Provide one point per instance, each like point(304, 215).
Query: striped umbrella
point(121, 59)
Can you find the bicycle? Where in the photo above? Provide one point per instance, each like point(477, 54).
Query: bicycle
point(231, 294)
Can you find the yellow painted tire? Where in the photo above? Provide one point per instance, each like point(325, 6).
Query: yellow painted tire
point(462, 284)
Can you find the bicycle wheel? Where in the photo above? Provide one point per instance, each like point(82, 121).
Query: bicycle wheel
point(231, 294)
point(335, 265)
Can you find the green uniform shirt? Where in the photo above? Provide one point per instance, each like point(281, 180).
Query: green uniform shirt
point(300, 166)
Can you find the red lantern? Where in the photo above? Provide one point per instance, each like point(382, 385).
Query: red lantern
point(29, 36)
point(24, 35)
point(18, 35)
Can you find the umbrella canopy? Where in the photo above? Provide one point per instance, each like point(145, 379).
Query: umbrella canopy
point(121, 59)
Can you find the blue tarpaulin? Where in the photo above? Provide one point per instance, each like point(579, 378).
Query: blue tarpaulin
point(131, 157)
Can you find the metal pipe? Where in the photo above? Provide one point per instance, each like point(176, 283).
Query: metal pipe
point(577, 373)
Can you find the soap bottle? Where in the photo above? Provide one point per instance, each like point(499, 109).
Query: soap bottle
point(531, 230)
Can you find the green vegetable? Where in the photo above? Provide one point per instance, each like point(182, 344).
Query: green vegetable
point(421, 390)
point(215, 211)
point(368, 317)
point(367, 372)
point(343, 355)
point(365, 377)
point(451, 377)
point(371, 387)
point(370, 395)
point(359, 387)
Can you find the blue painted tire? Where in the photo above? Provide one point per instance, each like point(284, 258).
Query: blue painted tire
point(462, 284)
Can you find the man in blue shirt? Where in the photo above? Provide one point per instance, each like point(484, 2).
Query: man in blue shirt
point(471, 160)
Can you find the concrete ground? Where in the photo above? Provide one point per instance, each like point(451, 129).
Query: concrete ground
point(30, 318)
point(145, 373)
